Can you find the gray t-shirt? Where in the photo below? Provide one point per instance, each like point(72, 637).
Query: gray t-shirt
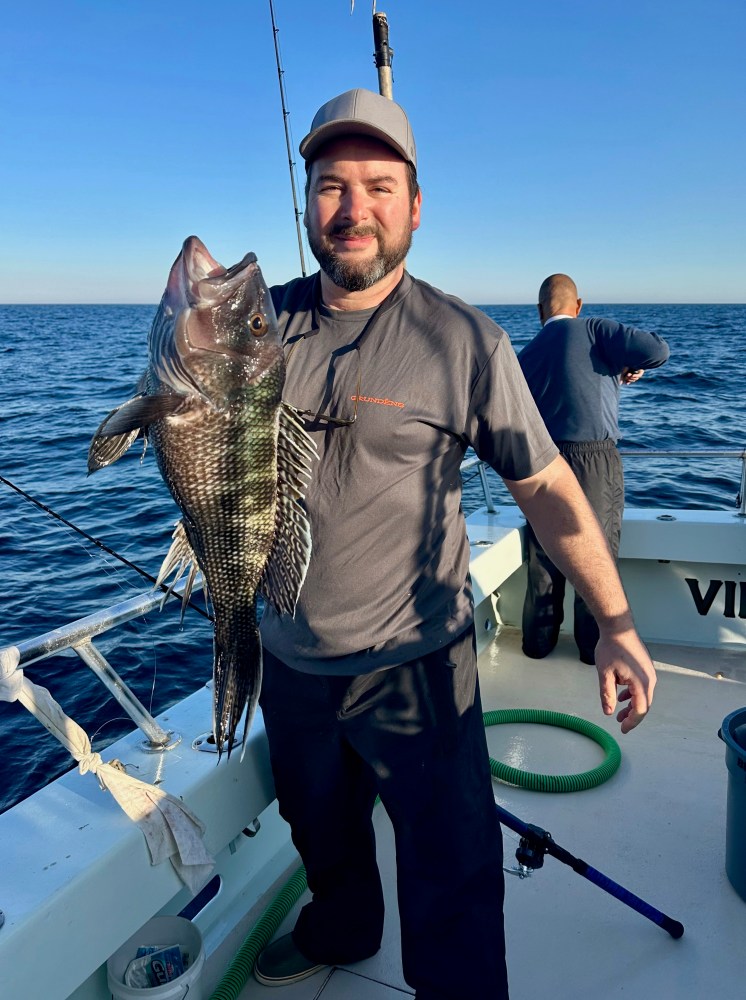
point(388, 579)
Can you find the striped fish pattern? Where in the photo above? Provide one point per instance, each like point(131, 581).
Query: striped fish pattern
point(236, 459)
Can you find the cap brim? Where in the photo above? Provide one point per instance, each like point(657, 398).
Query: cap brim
point(310, 146)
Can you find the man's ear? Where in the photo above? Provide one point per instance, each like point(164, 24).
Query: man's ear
point(416, 206)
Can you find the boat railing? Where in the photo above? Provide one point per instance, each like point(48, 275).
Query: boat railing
point(635, 453)
point(78, 636)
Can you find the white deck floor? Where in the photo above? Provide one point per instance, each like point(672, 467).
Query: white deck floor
point(657, 827)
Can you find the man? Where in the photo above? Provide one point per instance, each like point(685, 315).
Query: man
point(371, 688)
point(574, 369)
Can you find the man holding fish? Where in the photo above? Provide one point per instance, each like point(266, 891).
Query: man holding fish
point(371, 687)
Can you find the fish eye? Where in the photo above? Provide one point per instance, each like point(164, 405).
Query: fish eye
point(258, 325)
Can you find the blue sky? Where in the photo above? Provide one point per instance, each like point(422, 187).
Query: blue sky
point(604, 140)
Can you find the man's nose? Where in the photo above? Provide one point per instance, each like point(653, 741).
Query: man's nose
point(355, 205)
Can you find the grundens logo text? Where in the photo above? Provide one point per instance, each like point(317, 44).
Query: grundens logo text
point(379, 400)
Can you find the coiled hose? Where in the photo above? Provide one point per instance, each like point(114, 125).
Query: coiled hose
point(264, 930)
point(556, 782)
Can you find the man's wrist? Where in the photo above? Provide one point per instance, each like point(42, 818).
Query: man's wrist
point(615, 625)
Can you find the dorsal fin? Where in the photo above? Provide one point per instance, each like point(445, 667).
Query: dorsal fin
point(291, 549)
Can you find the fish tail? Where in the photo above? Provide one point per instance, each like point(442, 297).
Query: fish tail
point(238, 681)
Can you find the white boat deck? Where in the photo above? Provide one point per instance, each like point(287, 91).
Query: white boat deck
point(657, 827)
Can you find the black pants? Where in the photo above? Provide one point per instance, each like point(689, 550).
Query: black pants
point(598, 468)
point(414, 735)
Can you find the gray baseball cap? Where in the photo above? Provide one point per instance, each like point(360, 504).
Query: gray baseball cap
point(361, 112)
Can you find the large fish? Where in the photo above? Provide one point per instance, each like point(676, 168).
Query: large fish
point(234, 456)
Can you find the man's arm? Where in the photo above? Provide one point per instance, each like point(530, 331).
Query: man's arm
point(569, 531)
point(627, 347)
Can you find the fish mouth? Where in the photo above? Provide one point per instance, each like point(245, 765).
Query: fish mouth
point(219, 310)
point(209, 312)
point(206, 283)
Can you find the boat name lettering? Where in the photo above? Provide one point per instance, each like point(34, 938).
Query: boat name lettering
point(704, 603)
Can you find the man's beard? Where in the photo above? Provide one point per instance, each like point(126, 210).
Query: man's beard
point(352, 275)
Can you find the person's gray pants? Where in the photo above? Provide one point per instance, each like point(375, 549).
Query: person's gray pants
point(598, 468)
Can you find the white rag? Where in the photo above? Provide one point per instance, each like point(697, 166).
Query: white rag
point(171, 830)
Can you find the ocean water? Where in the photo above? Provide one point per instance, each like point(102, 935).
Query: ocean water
point(62, 368)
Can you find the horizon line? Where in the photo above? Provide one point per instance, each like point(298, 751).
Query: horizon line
point(478, 305)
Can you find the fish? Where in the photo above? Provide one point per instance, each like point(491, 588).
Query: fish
point(235, 457)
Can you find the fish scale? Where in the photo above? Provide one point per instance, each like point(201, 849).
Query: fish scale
point(234, 456)
point(236, 487)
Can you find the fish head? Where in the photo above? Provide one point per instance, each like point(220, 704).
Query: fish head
point(215, 328)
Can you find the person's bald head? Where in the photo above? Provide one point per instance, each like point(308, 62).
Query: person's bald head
point(558, 295)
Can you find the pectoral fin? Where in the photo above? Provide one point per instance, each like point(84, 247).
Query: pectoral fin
point(124, 424)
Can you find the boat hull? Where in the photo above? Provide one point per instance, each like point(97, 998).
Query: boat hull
point(81, 881)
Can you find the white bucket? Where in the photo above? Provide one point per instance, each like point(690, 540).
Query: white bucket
point(160, 930)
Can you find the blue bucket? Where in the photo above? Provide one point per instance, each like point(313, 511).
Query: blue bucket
point(733, 734)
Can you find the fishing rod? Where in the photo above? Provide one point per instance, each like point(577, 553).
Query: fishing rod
point(100, 544)
point(285, 116)
point(535, 843)
point(383, 55)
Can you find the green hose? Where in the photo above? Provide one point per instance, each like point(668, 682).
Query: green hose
point(261, 934)
point(556, 782)
point(242, 966)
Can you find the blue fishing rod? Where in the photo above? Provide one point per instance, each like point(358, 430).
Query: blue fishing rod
point(536, 842)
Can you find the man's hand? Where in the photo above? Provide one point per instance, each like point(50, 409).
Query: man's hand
point(622, 659)
point(630, 375)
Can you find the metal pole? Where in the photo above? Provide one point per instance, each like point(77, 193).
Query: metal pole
point(291, 161)
point(491, 509)
point(383, 55)
point(157, 737)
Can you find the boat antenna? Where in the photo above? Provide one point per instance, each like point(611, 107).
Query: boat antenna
point(383, 55)
point(285, 115)
point(111, 552)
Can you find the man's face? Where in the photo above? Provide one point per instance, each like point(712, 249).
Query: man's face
point(359, 216)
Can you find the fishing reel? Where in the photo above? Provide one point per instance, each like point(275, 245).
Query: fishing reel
point(530, 852)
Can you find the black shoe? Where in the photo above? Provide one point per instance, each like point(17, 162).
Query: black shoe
point(535, 653)
point(589, 658)
point(281, 964)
